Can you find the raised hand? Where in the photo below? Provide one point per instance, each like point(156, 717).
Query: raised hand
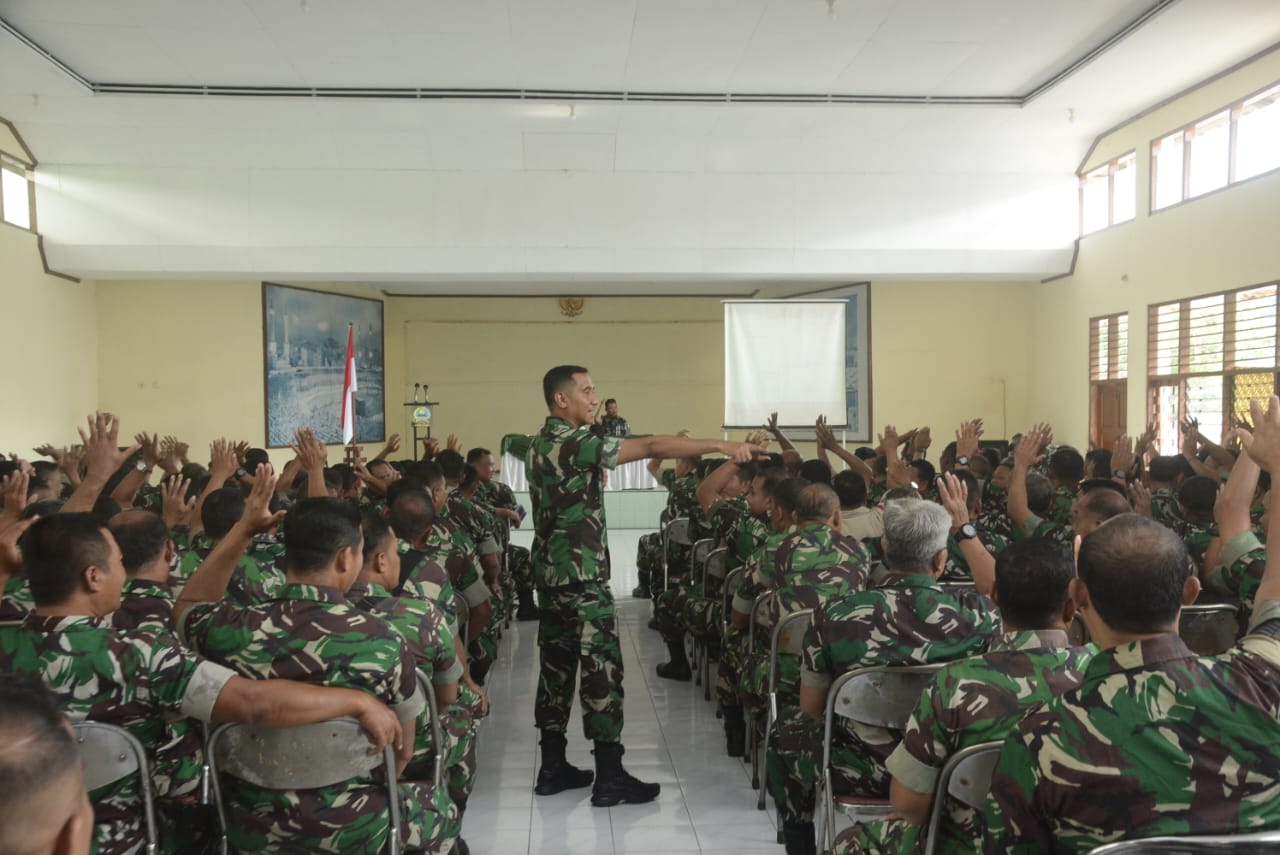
point(101, 446)
point(392, 446)
point(241, 449)
point(955, 498)
point(1123, 457)
point(170, 461)
point(1027, 452)
point(150, 444)
point(771, 424)
point(1265, 444)
point(897, 472)
point(742, 452)
point(15, 488)
point(257, 516)
point(311, 452)
point(1140, 497)
point(822, 432)
point(175, 507)
point(922, 440)
point(967, 438)
point(222, 460)
point(430, 447)
point(888, 442)
point(1146, 440)
point(453, 443)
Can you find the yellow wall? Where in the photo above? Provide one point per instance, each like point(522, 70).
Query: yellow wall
point(1221, 241)
point(49, 349)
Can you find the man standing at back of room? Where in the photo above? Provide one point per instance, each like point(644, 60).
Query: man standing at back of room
point(578, 627)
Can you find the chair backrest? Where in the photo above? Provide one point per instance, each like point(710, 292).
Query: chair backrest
point(1253, 842)
point(788, 637)
point(109, 754)
point(698, 557)
point(1209, 629)
point(437, 732)
point(965, 777)
point(716, 563)
point(758, 608)
point(678, 531)
point(958, 587)
point(880, 696)
point(732, 583)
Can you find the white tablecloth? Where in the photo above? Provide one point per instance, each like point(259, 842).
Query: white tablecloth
point(628, 476)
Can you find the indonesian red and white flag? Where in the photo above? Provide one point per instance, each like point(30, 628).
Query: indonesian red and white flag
point(349, 387)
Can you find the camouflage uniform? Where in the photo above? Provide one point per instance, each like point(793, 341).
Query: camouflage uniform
point(905, 619)
point(478, 524)
point(1155, 740)
point(517, 573)
point(256, 578)
point(578, 625)
point(1165, 507)
point(422, 577)
point(614, 426)
point(758, 576)
point(957, 569)
point(1039, 527)
point(722, 520)
point(425, 630)
point(1060, 510)
point(972, 701)
point(451, 546)
point(16, 602)
point(144, 605)
point(312, 634)
point(138, 681)
point(1197, 536)
point(650, 564)
point(995, 511)
point(875, 492)
point(704, 610)
point(1240, 568)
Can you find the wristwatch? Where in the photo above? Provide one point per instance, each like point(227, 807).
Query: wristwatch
point(1120, 473)
point(966, 532)
point(962, 460)
point(142, 466)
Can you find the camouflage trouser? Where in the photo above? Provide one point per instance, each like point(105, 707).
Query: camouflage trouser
point(460, 722)
point(704, 618)
point(483, 649)
point(342, 819)
point(729, 669)
point(794, 763)
point(884, 836)
point(669, 609)
point(578, 627)
point(521, 567)
point(507, 581)
point(649, 560)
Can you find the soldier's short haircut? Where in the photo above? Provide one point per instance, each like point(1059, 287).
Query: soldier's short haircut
point(408, 484)
point(474, 455)
point(1039, 494)
point(376, 534)
point(746, 472)
point(971, 484)
point(38, 758)
point(559, 379)
point(786, 494)
point(221, 510)
point(411, 514)
point(864, 453)
point(898, 493)
point(1090, 485)
point(55, 552)
point(816, 471)
point(1033, 581)
point(816, 503)
point(879, 465)
point(426, 472)
point(1167, 467)
point(1066, 464)
point(924, 472)
point(992, 455)
point(771, 476)
point(850, 488)
point(981, 466)
point(316, 530)
point(451, 464)
point(914, 532)
point(1198, 494)
point(1104, 504)
point(1099, 460)
point(610, 401)
point(1134, 568)
point(141, 536)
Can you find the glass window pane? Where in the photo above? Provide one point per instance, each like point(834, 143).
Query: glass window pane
point(1246, 388)
point(1094, 201)
point(1121, 368)
point(1210, 143)
point(1255, 328)
point(1258, 135)
point(1104, 347)
point(1167, 419)
point(1124, 189)
point(1204, 402)
point(1206, 323)
point(1166, 162)
point(17, 205)
point(1167, 329)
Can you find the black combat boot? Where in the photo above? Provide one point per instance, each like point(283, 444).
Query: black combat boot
point(800, 838)
point(556, 774)
point(735, 731)
point(678, 667)
point(613, 785)
point(528, 609)
point(641, 591)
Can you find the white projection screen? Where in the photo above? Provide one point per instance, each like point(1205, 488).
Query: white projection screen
point(784, 355)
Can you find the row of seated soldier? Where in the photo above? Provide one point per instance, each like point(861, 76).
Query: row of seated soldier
point(227, 601)
point(1036, 611)
point(1026, 608)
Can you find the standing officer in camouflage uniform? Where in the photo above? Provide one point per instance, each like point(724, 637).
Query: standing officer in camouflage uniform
point(981, 699)
point(905, 618)
point(578, 625)
point(612, 424)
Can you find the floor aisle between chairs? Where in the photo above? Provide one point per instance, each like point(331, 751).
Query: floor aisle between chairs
point(671, 735)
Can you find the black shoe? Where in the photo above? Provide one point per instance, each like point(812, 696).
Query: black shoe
point(614, 786)
point(527, 610)
point(640, 592)
point(653, 623)
point(675, 671)
point(552, 780)
point(800, 838)
point(460, 847)
point(735, 732)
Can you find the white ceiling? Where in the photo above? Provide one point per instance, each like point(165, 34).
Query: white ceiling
point(457, 195)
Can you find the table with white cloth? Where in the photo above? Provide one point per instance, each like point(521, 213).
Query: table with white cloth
point(625, 476)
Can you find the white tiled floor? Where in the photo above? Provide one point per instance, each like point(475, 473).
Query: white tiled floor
point(671, 736)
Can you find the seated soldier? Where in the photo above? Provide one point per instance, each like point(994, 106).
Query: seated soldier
point(424, 628)
point(981, 699)
point(147, 553)
point(681, 484)
point(309, 632)
point(141, 680)
point(1032, 497)
point(958, 569)
point(1095, 506)
point(1065, 469)
point(1196, 497)
point(1166, 474)
point(1155, 740)
point(501, 501)
point(995, 500)
point(856, 519)
point(256, 579)
point(44, 809)
point(904, 618)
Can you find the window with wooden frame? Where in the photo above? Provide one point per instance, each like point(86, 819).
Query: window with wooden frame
point(1208, 357)
point(1108, 377)
point(1109, 194)
point(17, 192)
point(1239, 142)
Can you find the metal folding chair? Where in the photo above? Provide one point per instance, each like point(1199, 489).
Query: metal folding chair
point(697, 581)
point(677, 533)
point(1252, 842)
point(731, 584)
point(788, 637)
point(713, 569)
point(300, 758)
point(966, 778)
point(437, 730)
point(880, 696)
point(758, 608)
point(109, 754)
point(1209, 630)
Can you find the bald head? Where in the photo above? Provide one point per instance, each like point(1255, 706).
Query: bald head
point(1135, 570)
